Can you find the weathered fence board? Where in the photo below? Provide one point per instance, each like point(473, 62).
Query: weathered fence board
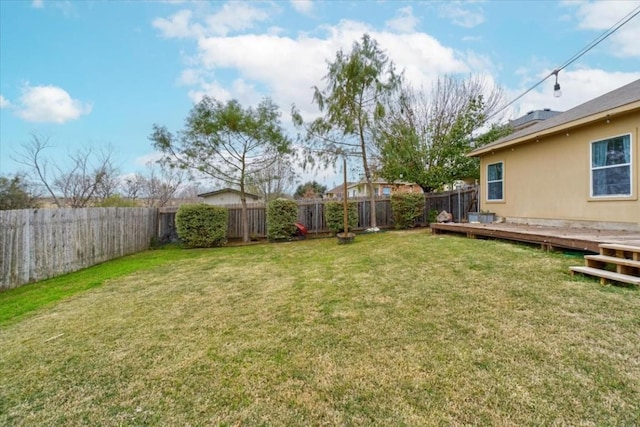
point(41, 243)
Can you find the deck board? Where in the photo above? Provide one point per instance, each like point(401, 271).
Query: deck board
point(581, 239)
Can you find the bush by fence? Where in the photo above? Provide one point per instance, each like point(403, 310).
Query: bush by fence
point(407, 208)
point(335, 216)
point(40, 243)
point(282, 215)
point(201, 225)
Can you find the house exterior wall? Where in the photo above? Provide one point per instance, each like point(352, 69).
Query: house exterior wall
point(549, 180)
point(225, 199)
point(362, 189)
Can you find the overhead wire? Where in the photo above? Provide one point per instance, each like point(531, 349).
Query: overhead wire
point(615, 27)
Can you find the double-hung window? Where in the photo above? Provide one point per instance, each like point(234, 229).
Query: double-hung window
point(611, 167)
point(495, 181)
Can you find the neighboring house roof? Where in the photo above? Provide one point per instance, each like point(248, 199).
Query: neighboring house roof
point(338, 189)
point(227, 190)
point(621, 100)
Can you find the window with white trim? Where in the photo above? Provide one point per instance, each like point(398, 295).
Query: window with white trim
point(495, 181)
point(611, 167)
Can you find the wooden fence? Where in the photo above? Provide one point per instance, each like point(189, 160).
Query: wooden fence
point(42, 243)
point(311, 214)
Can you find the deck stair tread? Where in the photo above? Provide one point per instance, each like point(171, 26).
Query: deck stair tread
point(613, 260)
point(620, 247)
point(625, 278)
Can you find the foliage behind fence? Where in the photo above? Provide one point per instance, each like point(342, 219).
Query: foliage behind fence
point(40, 243)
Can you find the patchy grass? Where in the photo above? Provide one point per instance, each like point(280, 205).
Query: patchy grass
point(18, 302)
point(399, 328)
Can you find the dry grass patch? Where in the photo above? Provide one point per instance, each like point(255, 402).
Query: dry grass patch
point(399, 328)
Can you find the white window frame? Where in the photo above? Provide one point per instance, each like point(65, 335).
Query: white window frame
point(629, 165)
point(494, 181)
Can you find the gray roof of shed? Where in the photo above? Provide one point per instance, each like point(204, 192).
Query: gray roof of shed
point(616, 98)
point(227, 190)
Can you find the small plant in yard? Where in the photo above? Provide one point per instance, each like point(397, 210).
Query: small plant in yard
point(334, 212)
point(406, 207)
point(202, 225)
point(433, 215)
point(282, 215)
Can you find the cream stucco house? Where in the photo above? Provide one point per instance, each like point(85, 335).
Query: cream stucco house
point(578, 168)
point(227, 196)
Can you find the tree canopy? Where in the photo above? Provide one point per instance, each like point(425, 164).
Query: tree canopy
point(227, 142)
point(359, 85)
point(426, 136)
point(16, 193)
point(310, 190)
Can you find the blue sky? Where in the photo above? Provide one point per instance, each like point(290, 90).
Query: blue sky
point(100, 73)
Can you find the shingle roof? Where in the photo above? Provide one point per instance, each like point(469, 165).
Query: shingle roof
point(227, 190)
point(617, 98)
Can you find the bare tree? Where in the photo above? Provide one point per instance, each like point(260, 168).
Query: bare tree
point(111, 182)
point(77, 184)
point(31, 156)
point(274, 181)
point(190, 190)
point(161, 184)
point(133, 186)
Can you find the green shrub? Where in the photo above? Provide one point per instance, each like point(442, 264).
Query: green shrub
point(282, 214)
point(334, 212)
point(433, 216)
point(406, 208)
point(202, 225)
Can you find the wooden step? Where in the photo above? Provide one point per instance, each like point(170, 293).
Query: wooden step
point(604, 275)
point(623, 265)
point(620, 251)
point(612, 260)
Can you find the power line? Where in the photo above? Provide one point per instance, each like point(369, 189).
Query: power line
point(615, 27)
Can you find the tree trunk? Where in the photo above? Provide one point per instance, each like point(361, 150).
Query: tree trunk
point(243, 213)
point(367, 174)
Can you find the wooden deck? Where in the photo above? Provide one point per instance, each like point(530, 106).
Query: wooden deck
point(549, 238)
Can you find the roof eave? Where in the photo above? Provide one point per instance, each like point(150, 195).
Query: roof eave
point(623, 109)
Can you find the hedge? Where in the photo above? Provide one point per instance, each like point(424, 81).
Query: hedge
point(202, 225)
point(406, 208)
point(282, 214)
point(334, 212)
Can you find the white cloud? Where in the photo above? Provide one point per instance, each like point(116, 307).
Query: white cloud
point(178, 25)
point(577, 86)
point(462, 14)
point(49, 104)
point(287, 68)
point(600, 16)
point(235, 16)
point(232, 17)
point(404, 22)
point(302, 6)
point(37, 4)
point(148, 158)
point(4, 102)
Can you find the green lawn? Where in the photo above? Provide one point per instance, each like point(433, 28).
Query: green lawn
point(399, 328)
